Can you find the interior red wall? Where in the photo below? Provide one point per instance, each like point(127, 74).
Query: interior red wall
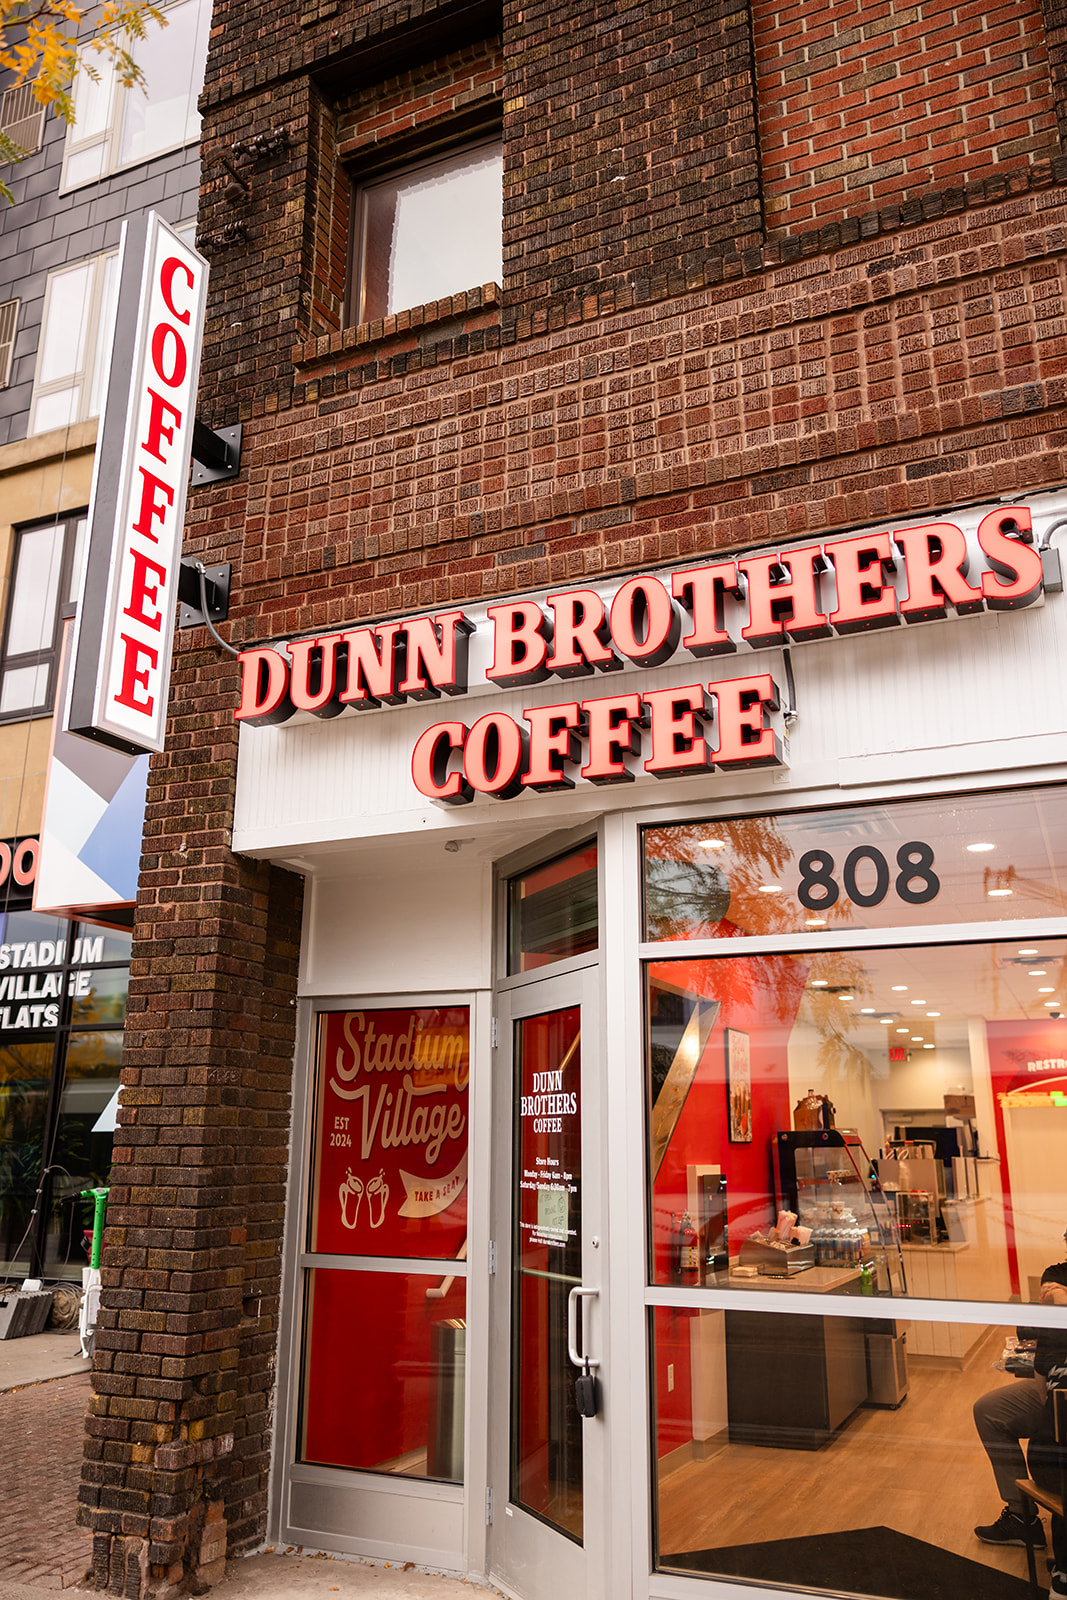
point(758, 996)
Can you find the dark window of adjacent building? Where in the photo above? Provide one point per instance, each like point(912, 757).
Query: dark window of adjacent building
point(22, 118)
point(42, 592)
point(430, 229)
point(9, 316)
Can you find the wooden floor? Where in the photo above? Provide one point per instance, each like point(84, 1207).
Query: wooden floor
point(919, 1470)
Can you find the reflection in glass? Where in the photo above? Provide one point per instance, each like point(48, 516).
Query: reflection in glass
point(383, 1375)
point(172, 60)
point(32, 617)
point(810, 1452)
point(99, 996)
point(976, 858)
point(25, 1069)
point(552, 911)
point(546, 1430)
point(19, 930)
point(876, 1117)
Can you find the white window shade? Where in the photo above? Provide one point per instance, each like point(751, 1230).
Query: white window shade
point(431, 230)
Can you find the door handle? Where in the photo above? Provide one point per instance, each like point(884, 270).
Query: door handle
point(576, 1294)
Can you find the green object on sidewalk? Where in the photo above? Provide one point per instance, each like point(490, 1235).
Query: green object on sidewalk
point(99, 1199)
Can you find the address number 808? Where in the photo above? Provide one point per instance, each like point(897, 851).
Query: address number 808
point(916, 882)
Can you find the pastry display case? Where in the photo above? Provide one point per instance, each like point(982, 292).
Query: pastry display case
point(826, 1177)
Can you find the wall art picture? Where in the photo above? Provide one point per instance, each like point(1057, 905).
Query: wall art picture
point(739, 1086)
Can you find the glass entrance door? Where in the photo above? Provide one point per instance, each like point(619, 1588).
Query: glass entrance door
point(546, 1458)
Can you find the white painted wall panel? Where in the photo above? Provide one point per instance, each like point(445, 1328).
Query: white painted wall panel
point(411, 930)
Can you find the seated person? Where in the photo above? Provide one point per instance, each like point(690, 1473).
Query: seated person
point(1009, 1414)
point(1045, 1457)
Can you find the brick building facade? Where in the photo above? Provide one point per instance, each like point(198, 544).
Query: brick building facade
point(771, 274)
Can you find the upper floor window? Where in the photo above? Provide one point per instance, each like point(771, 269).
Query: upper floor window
point(76, 332)
point(77, 327)
point(42, 592)
point(429, 230)
point(9, 317)
point(116, 127)
point(22, 118)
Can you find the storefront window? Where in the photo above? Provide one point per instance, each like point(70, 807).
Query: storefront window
point(390, 1139)
point(25, 1072)
point(62, 1006)
point(552, 911)
point(863, 1122)
point(384, 1347)
point(984, 858)
point(810, 1452)
point(384, 1373)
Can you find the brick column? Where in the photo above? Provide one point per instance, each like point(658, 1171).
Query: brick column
point(178, 1434)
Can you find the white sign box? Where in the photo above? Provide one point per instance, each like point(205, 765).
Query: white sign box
point(125, 625)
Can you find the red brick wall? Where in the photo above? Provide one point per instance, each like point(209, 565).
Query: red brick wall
point(631, 143)
point(861, 103)
point(659, 382)
point(903, 373)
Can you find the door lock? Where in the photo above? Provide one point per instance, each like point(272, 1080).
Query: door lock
point(587, 1393)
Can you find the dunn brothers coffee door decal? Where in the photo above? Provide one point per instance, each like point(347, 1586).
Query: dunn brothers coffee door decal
point(390, 1139)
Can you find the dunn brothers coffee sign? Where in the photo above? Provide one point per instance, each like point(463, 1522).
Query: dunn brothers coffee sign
point(923, 572)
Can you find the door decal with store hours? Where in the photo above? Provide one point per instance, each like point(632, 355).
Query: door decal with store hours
point(391, 1132)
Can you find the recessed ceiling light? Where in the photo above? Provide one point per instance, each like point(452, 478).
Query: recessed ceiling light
point(916, 1038)
point(713, 844)
point(820, 983)
point(1052, 1002)
point(928, 1047)
point(933, 1013)
point(900, 988)
point(976, 849)
point(1045, 988)
point(1028, 952)
point(770, 888)
point(903, 1030)
point(845, 997)
point(866, 1011)
point(998, 894)
point(918, 1002)
point(886, 1020)
point(815, 922)
point(1038, 972)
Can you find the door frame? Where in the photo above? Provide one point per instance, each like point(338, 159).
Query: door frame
point(524, 1553)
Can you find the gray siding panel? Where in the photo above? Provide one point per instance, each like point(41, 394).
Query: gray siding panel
point(45, 229)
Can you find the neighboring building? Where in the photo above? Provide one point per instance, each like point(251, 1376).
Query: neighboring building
point(649, 736)
point(127, 151)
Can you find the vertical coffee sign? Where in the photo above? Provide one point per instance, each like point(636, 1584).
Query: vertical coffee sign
point(125, 623)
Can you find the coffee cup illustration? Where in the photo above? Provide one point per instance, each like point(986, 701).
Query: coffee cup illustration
point(350, 1194)
point(377, 1195)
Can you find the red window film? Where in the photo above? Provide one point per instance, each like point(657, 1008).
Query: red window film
point(390, 1134)
point(384, 1372)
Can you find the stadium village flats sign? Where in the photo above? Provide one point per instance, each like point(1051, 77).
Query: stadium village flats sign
point(920, 573)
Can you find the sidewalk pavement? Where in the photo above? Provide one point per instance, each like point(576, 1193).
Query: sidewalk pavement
point(44, 1391)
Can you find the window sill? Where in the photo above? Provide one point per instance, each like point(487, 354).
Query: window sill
point(419, 328)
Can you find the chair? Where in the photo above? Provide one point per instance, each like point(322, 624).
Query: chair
point(1047, 1498)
